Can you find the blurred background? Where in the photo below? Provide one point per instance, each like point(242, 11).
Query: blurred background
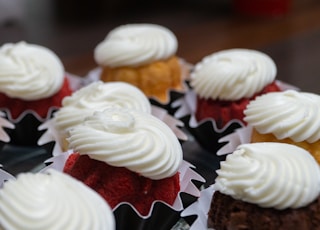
point(287, 30)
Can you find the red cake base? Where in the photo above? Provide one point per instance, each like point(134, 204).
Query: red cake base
point(224, 111)
point(118, 184)
point(17, 106)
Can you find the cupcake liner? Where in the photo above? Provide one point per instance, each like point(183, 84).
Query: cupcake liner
point(162, 214)
point(51, 134)
point(233, 140)
point(4, 126)
point(5, 176)
point(26, 131)
point(205, 163)
point(206, 131)
point(173, 94)
point(200, 209)
point(18, 159)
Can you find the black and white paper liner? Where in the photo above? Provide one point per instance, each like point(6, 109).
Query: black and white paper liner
point(206, 131)
point(5, 124)
point(25, 131)
point(233, 140)
point(52, 135)
point(125, 213)
point(5, 176)
point(200, 209)
point(173, 94)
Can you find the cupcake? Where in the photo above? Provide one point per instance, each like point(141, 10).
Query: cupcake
point(97, 96)
point(143, 55)
point(32, 85)
point(133, 160)
point(126, 156)
point(33, 78)
point(52, 201)
point(226, 81)
point(266, 186)
point(289, 116)
point(222, 84)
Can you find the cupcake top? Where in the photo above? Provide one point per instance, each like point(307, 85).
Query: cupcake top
point(232, 74)
point(127, 138)
point(52, 201)
point(288, 114)
point(96, 97)
point(29, 71)
point(135, 45)
point(271, 175)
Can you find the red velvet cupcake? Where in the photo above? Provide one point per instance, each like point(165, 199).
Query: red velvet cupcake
point(126, 156)
point(32, 78)
point(33, 83)
point(222, 84)
point(226, 81)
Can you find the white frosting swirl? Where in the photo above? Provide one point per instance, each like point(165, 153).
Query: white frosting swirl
point(289, 114)
point(29, 72)
point(96, 97)
point(232, 74)
point(132, 139)
point(270, 174)
point(136, 45)
point(52, 201)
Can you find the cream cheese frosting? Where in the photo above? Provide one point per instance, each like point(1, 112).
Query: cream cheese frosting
point(52, 200)
point(271, 175)
point(135, 45)
point(127, 138)
point(96, 97)
point(232, 74)
point(288, 114)
point(29, 71)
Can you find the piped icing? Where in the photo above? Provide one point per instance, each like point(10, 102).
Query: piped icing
point(127, 138)
point(52, 200)
point(288, 114)
point(135, 45)
point(271, 175)
point(96, 97)
point(232, 74)
point(29, 71)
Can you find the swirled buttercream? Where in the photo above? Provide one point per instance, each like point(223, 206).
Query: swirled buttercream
point(135, 45)
point(270, 174)
point(52, 201)
point(127, 138)
point(232, 74)
point(288, 114)
point(96, 97)
point(29, 71)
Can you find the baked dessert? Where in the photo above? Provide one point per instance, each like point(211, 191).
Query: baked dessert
point(289, 116)
point(143, 55)
point(96, 96)
point(52, 200)
point(225, 81)
point(266, 186)
point(32, 79)
point(126, 156)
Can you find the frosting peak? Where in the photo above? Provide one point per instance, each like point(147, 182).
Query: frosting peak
point(135, 45)
point(270, 174)
point(128, 138)
point(96, 97)
point(233, 74)
point(29, 72)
